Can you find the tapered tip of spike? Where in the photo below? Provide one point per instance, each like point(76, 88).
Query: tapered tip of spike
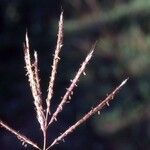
point(93, 48)
point(26, 40)
point(61, 15)
point(35, 54)
point(26, 35)
point(124, 82)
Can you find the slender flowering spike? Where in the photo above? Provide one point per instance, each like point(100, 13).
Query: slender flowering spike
point(21, 137)
point(69, 91)
point(34, 83)
point(55, 62)
point(94, 110)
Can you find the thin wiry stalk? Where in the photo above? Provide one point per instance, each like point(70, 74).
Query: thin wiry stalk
point(69, 91)
point(94, 110)
point(44, 140)
point(21, 137)
point(34, 84)
point(55, 62)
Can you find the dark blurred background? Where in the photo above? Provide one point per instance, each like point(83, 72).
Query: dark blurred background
point(122, 29)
